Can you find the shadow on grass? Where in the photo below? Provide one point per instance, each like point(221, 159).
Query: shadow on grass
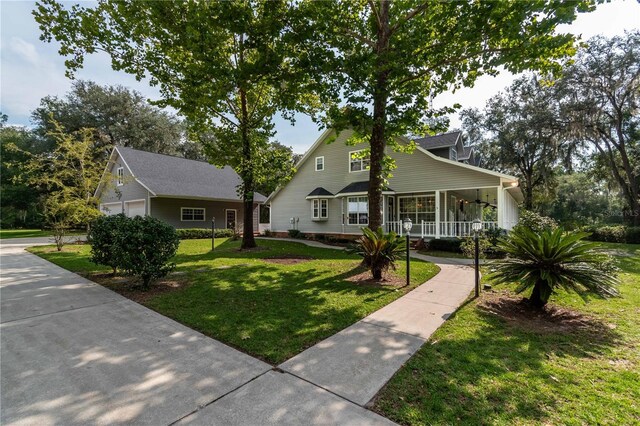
point(488, 371)
point(272, 312)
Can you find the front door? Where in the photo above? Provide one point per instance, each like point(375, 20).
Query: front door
point(231, 219)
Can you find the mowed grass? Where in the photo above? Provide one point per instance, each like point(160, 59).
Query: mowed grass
point(480, 368)
point(28, 233)
point(269, 310)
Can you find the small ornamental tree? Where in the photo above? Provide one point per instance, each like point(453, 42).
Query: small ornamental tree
point(146, 245)
point(379, 251)
point(553, 259)
point(105, 236)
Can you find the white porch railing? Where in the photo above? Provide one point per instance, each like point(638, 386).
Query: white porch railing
point(447, 229)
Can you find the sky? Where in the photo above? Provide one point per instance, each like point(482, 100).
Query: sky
point(31, 69)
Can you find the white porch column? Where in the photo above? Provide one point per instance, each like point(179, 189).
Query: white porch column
point(446, 215)
point(501, 206)
point(437, 214)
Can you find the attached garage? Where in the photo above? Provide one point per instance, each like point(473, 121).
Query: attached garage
point(111, 209)
point(135, 208)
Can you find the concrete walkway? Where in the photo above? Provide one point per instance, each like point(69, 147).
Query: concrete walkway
point(357, 362)
point(75, 353)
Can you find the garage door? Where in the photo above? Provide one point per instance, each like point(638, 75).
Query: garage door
point(111, 208)
point(134, 208)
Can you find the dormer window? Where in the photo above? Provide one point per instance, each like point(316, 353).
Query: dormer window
point(319, 164)
point(453, 154)
point(120, 176)
point(357, 163)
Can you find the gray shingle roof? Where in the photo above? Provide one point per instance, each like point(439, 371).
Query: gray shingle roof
point(319, 191)
point(438, 141)
point(465, 153)
point(171, 176)
point(356, 187)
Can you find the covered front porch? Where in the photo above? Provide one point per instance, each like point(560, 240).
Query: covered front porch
point(450, 213)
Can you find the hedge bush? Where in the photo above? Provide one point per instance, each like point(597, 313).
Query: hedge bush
point(147, 245)
point(453, 245)
point(614, 234)
point(199, 233)
point(140, 246)
point(105, 236)
point(536, 222)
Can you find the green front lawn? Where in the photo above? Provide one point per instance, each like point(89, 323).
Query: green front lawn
point(28, 233)
point(484, 367)
point(269, 310)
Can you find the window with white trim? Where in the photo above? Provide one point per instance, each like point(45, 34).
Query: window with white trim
point(418, 208)
point(453, 154)
point(191, 214)
point(120, 176)
point(320, 208)
point(357, 163)
point(319, 164)
point(358, 210)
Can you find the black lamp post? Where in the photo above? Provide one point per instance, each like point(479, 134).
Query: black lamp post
point(213, 233)
point(477, 228)
point(407, 225)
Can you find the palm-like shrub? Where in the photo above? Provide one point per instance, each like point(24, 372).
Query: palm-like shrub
point(554, 259)
point(379, 250)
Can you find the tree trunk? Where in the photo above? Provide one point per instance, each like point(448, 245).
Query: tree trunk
point(539, 297)
point(378, 141)
point(248, 240)
point(376, 273)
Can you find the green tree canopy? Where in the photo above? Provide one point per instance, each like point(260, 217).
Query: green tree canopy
point(387, 60)
point(120, 116)
point(223, 65)
point(520, 132)
point(600, 98)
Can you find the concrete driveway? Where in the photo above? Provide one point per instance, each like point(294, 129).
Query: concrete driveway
point(73, 352)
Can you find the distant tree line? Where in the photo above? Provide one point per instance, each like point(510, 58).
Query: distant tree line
point(574, 140)
point(37, 162)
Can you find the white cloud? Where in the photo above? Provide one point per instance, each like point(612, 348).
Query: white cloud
point(24, 50)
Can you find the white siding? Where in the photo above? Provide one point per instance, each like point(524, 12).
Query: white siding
point(415, 173)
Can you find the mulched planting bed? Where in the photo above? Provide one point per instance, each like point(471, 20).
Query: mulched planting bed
point(388, 280)
point(127, 286)
point(516, 311)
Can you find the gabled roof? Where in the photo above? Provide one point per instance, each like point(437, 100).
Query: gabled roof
point(439, 141)
point(358, 187)
point(466, 153)
point(169, 176)
point(320, 191)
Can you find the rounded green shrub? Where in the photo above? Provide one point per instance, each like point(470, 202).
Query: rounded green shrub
point(105, 236)
point(147, 245)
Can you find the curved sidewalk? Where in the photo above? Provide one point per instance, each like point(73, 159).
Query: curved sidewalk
point(357, 362)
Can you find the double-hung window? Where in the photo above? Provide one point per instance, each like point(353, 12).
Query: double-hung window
point(358, 209)
point(191, 214)
point(357, 163)
point(418, 208)
point(120, 176)
point(319, 164)
point(319, 208)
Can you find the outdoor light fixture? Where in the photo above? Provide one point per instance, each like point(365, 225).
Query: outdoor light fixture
point(407, 225)
point(476, 227)
point(213, 233)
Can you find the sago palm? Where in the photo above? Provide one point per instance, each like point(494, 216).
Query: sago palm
point(379, 250)
point(554, 259)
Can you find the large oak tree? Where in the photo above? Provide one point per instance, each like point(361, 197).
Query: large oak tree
point(601, 102)
point(520, 132)
point(220, 64)
point(387, 60)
